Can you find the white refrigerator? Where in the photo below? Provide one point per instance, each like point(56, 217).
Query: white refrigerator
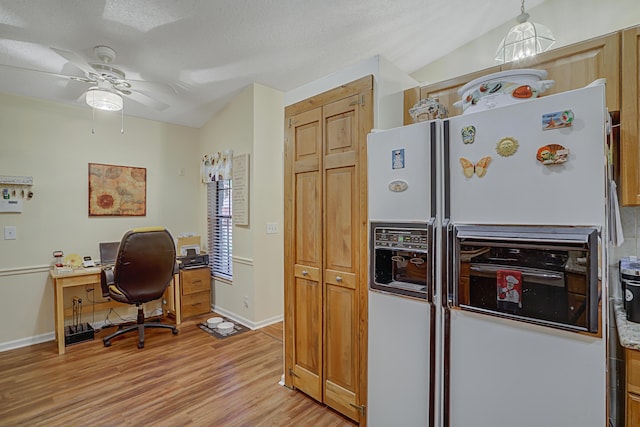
point(505, 372)
point(538, 166)
point(403, 183)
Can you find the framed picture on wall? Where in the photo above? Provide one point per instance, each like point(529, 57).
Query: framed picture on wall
point(117, 190)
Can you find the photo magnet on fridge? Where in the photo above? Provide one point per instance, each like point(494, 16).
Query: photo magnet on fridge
point(397, 159)
point(557, 120)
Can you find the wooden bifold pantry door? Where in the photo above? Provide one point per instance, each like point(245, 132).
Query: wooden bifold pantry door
point(326, 246)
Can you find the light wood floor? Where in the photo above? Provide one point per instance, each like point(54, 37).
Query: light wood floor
point(188, 379)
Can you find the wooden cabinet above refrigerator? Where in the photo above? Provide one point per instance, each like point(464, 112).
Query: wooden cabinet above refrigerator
point(615, 57)
point(571, 67)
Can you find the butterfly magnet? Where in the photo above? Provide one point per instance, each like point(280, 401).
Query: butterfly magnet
point(479, 168)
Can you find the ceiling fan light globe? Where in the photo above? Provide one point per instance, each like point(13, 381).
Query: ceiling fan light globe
point(104, 100)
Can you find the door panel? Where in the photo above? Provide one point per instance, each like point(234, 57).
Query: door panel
point(305, 136)
point(341, 236)
point(340, 126)
point(341, 278)
point(308, 219)
point(341, 353)
point(341, 230)
point(308, 338)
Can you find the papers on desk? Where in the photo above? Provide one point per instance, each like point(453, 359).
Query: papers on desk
point(185, 243)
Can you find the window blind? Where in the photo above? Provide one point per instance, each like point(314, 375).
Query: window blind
point(220, 228)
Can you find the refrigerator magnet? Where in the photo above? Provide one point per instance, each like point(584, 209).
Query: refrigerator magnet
point(398, 186)
point(479, 168)
point(507, 146)
point(552, 154)
point(468, 134)
point(397, 159)
point(557, 120)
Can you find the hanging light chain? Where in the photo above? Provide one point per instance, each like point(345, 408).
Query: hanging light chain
point(524, 16)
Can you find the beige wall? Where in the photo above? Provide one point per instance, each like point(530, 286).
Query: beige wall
point(253, 123)
point(53, 143)
point(570, 21)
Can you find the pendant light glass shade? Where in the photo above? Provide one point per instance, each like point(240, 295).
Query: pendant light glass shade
point(525, 39)
point(104, 100)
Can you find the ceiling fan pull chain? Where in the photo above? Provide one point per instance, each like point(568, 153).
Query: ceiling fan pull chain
point(122, 119)
point(93, 121)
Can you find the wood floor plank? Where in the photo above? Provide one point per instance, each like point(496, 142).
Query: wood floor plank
point(191, 378)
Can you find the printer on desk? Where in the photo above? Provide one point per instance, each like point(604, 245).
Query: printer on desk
point(193, 260)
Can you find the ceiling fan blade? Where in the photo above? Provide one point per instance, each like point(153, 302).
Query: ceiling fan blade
point(76, 60)
point(147, 101)
point(83, 79)
point(50, 73)
point(153, 87)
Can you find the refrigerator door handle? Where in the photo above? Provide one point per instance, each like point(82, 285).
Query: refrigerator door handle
point(447, 268)
point(530, 272)
point(432, 259)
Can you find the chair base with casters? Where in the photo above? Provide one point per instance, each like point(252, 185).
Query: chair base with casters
point(139, 326)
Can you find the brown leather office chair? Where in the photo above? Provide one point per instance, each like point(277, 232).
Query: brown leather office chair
point(144, 267)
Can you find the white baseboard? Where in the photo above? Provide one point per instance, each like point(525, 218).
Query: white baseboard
point(24, 342)
point(246, 322)
point(51, 336)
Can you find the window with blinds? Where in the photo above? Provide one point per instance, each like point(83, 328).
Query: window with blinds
point(220, 226)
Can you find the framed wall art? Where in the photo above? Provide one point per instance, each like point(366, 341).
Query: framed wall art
point(117, 190)
point(240, 192)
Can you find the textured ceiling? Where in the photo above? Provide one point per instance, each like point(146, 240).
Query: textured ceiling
point(195, 56)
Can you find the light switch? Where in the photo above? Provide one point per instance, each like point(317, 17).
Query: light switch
point(272, 227)
point(10, 232)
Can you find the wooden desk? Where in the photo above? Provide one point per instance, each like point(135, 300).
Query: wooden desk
point(82, 277)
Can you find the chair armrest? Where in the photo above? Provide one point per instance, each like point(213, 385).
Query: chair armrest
point(106, 280)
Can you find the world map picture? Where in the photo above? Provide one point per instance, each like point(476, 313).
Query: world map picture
point(117, 190)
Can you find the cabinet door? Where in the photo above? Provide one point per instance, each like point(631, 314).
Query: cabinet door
point(304, 298)
point(571, 67)
point(633, 410)
point(195, 280)
point(342, 353)
point(446, 92)
point(630, 118)
point(577, 65)
point(195, 304)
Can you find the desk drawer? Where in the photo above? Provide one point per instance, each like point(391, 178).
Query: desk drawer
point(196, 303)
point(196, 280)
point(88, 279)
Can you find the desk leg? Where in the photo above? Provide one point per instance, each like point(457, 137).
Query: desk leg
point(177, 292)
point(59, 315)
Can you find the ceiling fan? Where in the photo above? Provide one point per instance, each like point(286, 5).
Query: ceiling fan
point(109, 83)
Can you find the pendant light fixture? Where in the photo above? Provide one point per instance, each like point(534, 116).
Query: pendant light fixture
point(524, 40)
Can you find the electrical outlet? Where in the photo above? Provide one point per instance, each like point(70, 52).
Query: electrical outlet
point(10, 232)
point(246, 302)
point(272, 227)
